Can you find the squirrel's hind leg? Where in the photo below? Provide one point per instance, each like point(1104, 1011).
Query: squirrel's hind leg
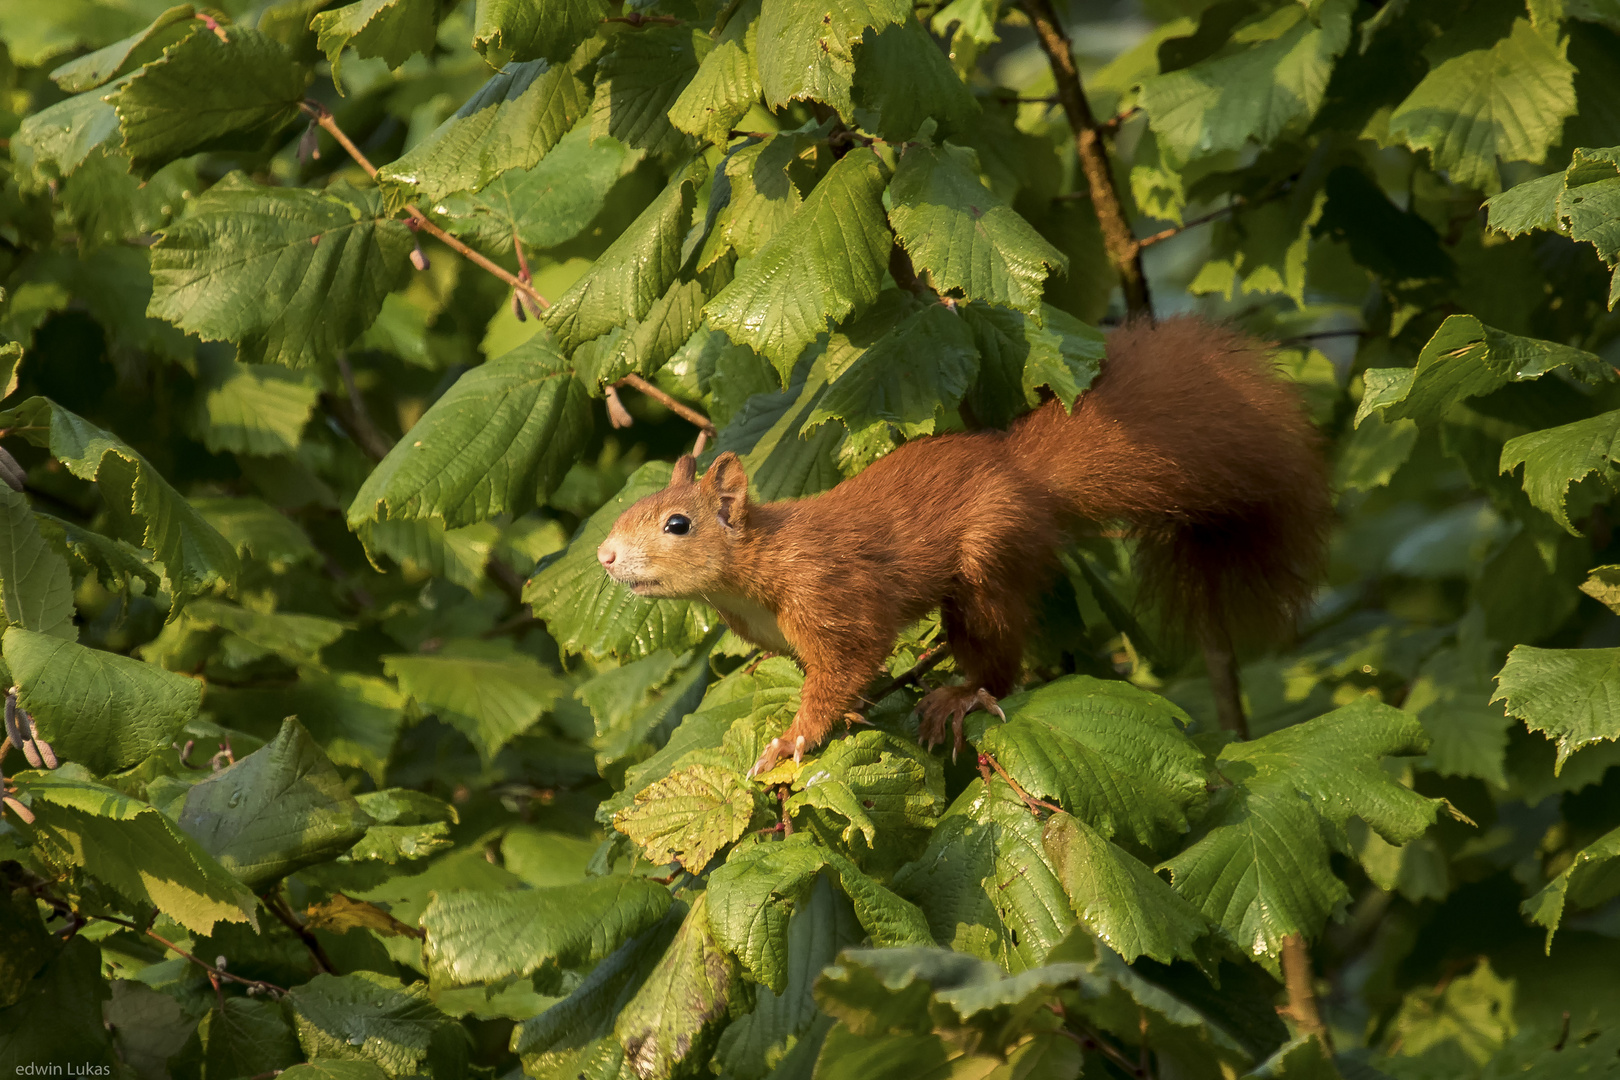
point(985, 628)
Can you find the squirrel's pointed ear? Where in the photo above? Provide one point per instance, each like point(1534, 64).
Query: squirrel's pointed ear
point(685, 471)
point(727, 479)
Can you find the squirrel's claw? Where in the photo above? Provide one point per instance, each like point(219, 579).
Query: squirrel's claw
point(950, 705)
point(768, 758)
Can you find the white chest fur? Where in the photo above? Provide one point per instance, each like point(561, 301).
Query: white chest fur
point(753, 621)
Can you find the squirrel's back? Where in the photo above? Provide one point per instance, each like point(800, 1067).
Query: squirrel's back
point(1191, 437)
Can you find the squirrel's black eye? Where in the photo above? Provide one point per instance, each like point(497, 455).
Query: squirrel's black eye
point(677, 524)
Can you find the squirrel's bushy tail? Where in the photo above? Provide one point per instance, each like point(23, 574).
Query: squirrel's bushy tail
point(1191, 438)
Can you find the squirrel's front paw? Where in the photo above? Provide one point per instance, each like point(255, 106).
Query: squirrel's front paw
point(951, 704)
point(775, 751)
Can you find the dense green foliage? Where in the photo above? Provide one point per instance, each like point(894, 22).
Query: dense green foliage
point(331, 749)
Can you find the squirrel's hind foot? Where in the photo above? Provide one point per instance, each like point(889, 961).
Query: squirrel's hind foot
point(951, 704)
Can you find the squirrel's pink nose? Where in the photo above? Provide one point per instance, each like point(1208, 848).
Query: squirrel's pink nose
point(606, 554)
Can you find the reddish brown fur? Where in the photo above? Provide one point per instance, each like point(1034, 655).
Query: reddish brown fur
point(1188, 436)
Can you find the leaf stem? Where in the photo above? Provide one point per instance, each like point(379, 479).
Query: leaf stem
point(685, 412)
point(365, 432)
point(323, 116)
point(988, 761)
point(1124, 251)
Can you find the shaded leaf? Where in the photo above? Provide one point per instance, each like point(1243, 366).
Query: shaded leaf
point(390, 29)
point(254, 92)
point(35, 585)
point(281, 808)
point(477, 936)
point(523, 30)
point(132, 847)
point(105, 711)
point(365, 1017)
point(639, 78)
point(292, 276)
point(491, 699)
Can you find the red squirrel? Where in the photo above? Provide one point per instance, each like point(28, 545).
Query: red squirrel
point(1188, 436)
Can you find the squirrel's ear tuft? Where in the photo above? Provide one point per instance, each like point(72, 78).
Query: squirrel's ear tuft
point(727, 479)
point(685, 471)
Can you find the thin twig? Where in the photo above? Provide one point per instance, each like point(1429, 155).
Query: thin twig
point(925, 663)
point(1088, 1038)
point(365, 431)
point(685, 412)
point(988, 761)
point(259, 984)
point(323, 116)
point(278, 907)
point(1320, 334)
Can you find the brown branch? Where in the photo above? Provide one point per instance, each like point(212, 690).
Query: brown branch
point(1301, 984)
point(1088, 1038)
point(685, 412)
point(214, 972)
point(323, 116)
point(278, 907)
point(1123, 250)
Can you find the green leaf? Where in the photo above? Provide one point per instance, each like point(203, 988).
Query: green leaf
point(527, 30)
point(329, 1069)
point(34, 582)
point(1509, 101)
point(1271, 76)
point(688, 816)
point(365, 1017)
point(825, 263)
point(818, 931)
point(252, 635)
point(241, 1034)
point(633, 273)
point(283, 807)
point(1258, 862)
point(678, 1012)
point(639, 78)
point(877, 783)
point(59, 1015)
point(806, 49)
point(254, 91)
point(390, 29)
point(910, 370)
point(1113, 755)
point(1119, 898)
point(1469, 735)
point(754, 893)
point(1582, 203)
point(962, 235)
point(118, 564)
point(543, 206)
point(425, 547)
point(1591, 878)
point(782, 459)
point(876, 990)
point(497, 442)
point(478, 936)
point(52, 143)
point(105, 711)
point(986, 884)
point(903, 82)
point(763, 197)
point(291, 275)
point(1021, 355)
point(121, 57)
point(1556, 457)
point(132, 847)
point(254, 408)
point(1466, 359)
point(491, 700)
point(1570, 695)
point(258, 530)
point(726, 85)
point(511, 123)
point(588, 612)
